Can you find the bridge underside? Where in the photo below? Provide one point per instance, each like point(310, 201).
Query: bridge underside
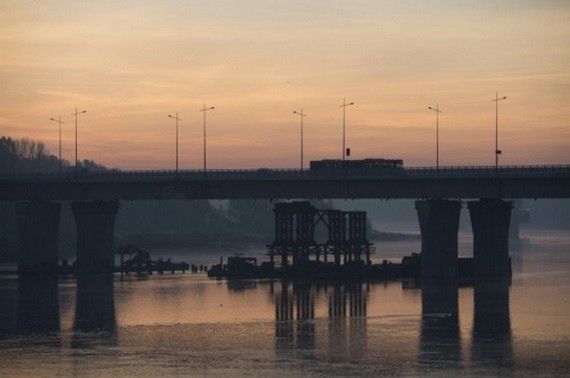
point(353, 188)
point(38, 223)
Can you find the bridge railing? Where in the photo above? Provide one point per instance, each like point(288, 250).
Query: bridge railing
point(278, 173)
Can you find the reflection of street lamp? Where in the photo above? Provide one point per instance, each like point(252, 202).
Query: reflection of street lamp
point(497, 151)
point(77, 112)
point(302, 115)
point(437, 111)
point(59, 121)
point(177, 119)
point(204, 110)
point(343, 106)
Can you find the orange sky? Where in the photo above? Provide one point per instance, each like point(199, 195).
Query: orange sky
point(130, 63)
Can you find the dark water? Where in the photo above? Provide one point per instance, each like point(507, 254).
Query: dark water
point(191, 325)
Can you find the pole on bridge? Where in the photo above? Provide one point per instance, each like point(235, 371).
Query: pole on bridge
point(59, 121)
point(76, 114)
point(177, 119)
point(204, 110)
point(437, 111)
point(497, 151)
point(343, 106)
point(302, 115)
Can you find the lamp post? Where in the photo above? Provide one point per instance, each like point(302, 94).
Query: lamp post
point(437, 111)
point(302, 115)
point(177, 119)
point(497, 151)
point(204, 110)
point(77, 112)
point(343, 106)
point(59, 121)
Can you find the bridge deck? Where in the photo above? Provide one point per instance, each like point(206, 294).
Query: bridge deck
point(421, 182)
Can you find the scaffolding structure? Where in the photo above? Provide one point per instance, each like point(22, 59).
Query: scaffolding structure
point(295, 224)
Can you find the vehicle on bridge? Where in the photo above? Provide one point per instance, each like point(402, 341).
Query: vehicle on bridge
point(364, 166)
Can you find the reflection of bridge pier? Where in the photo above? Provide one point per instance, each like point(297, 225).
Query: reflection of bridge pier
point(94, 325)
point(491, 335)
point(95, 304)
point(440, 334)
point(38, 304)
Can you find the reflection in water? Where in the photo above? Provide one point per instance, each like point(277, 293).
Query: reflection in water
point(358, 337)
point(440, 343)
point(38, 304)
point(283, 321)
point(296, 299)
point(296, 328)
point(8, 302)
point(337, 321)
point(305, 302)
point(94, 311)
point(95, 305)
point(491, 338)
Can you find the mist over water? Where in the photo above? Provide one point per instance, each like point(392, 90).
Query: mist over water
point(190, 324)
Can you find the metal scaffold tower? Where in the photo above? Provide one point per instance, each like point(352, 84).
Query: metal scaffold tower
point(295, 224)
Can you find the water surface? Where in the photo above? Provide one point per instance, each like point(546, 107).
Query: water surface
point(186, 324)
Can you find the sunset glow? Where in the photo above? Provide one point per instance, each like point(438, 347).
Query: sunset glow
point(130, 64)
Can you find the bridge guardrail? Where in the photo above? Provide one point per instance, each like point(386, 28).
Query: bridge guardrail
point(280, 173)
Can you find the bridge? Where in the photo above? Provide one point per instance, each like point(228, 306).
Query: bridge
point(439, 193)
point(423, 182)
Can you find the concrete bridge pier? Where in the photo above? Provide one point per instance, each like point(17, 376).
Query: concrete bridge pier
point(38, 225)
point(490, 219)
point(439, 224)
point(95, 221)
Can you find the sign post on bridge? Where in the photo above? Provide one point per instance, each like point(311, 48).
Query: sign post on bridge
point(497, 151)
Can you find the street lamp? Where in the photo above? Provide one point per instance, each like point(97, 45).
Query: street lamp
point(497, 151)
point(343, 106)
point(77, 112)
point(437, 111)
point(204, 110)
point(177, 119)
point(302, 115)
point(59, 121)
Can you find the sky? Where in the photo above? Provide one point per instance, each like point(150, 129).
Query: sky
point(131, 63)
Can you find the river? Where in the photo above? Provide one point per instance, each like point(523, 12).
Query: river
point(188, 324)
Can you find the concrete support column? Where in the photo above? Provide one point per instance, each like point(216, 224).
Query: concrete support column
point(95, 223)
point(38, 225)
point(490, 219)
point(439, 224)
